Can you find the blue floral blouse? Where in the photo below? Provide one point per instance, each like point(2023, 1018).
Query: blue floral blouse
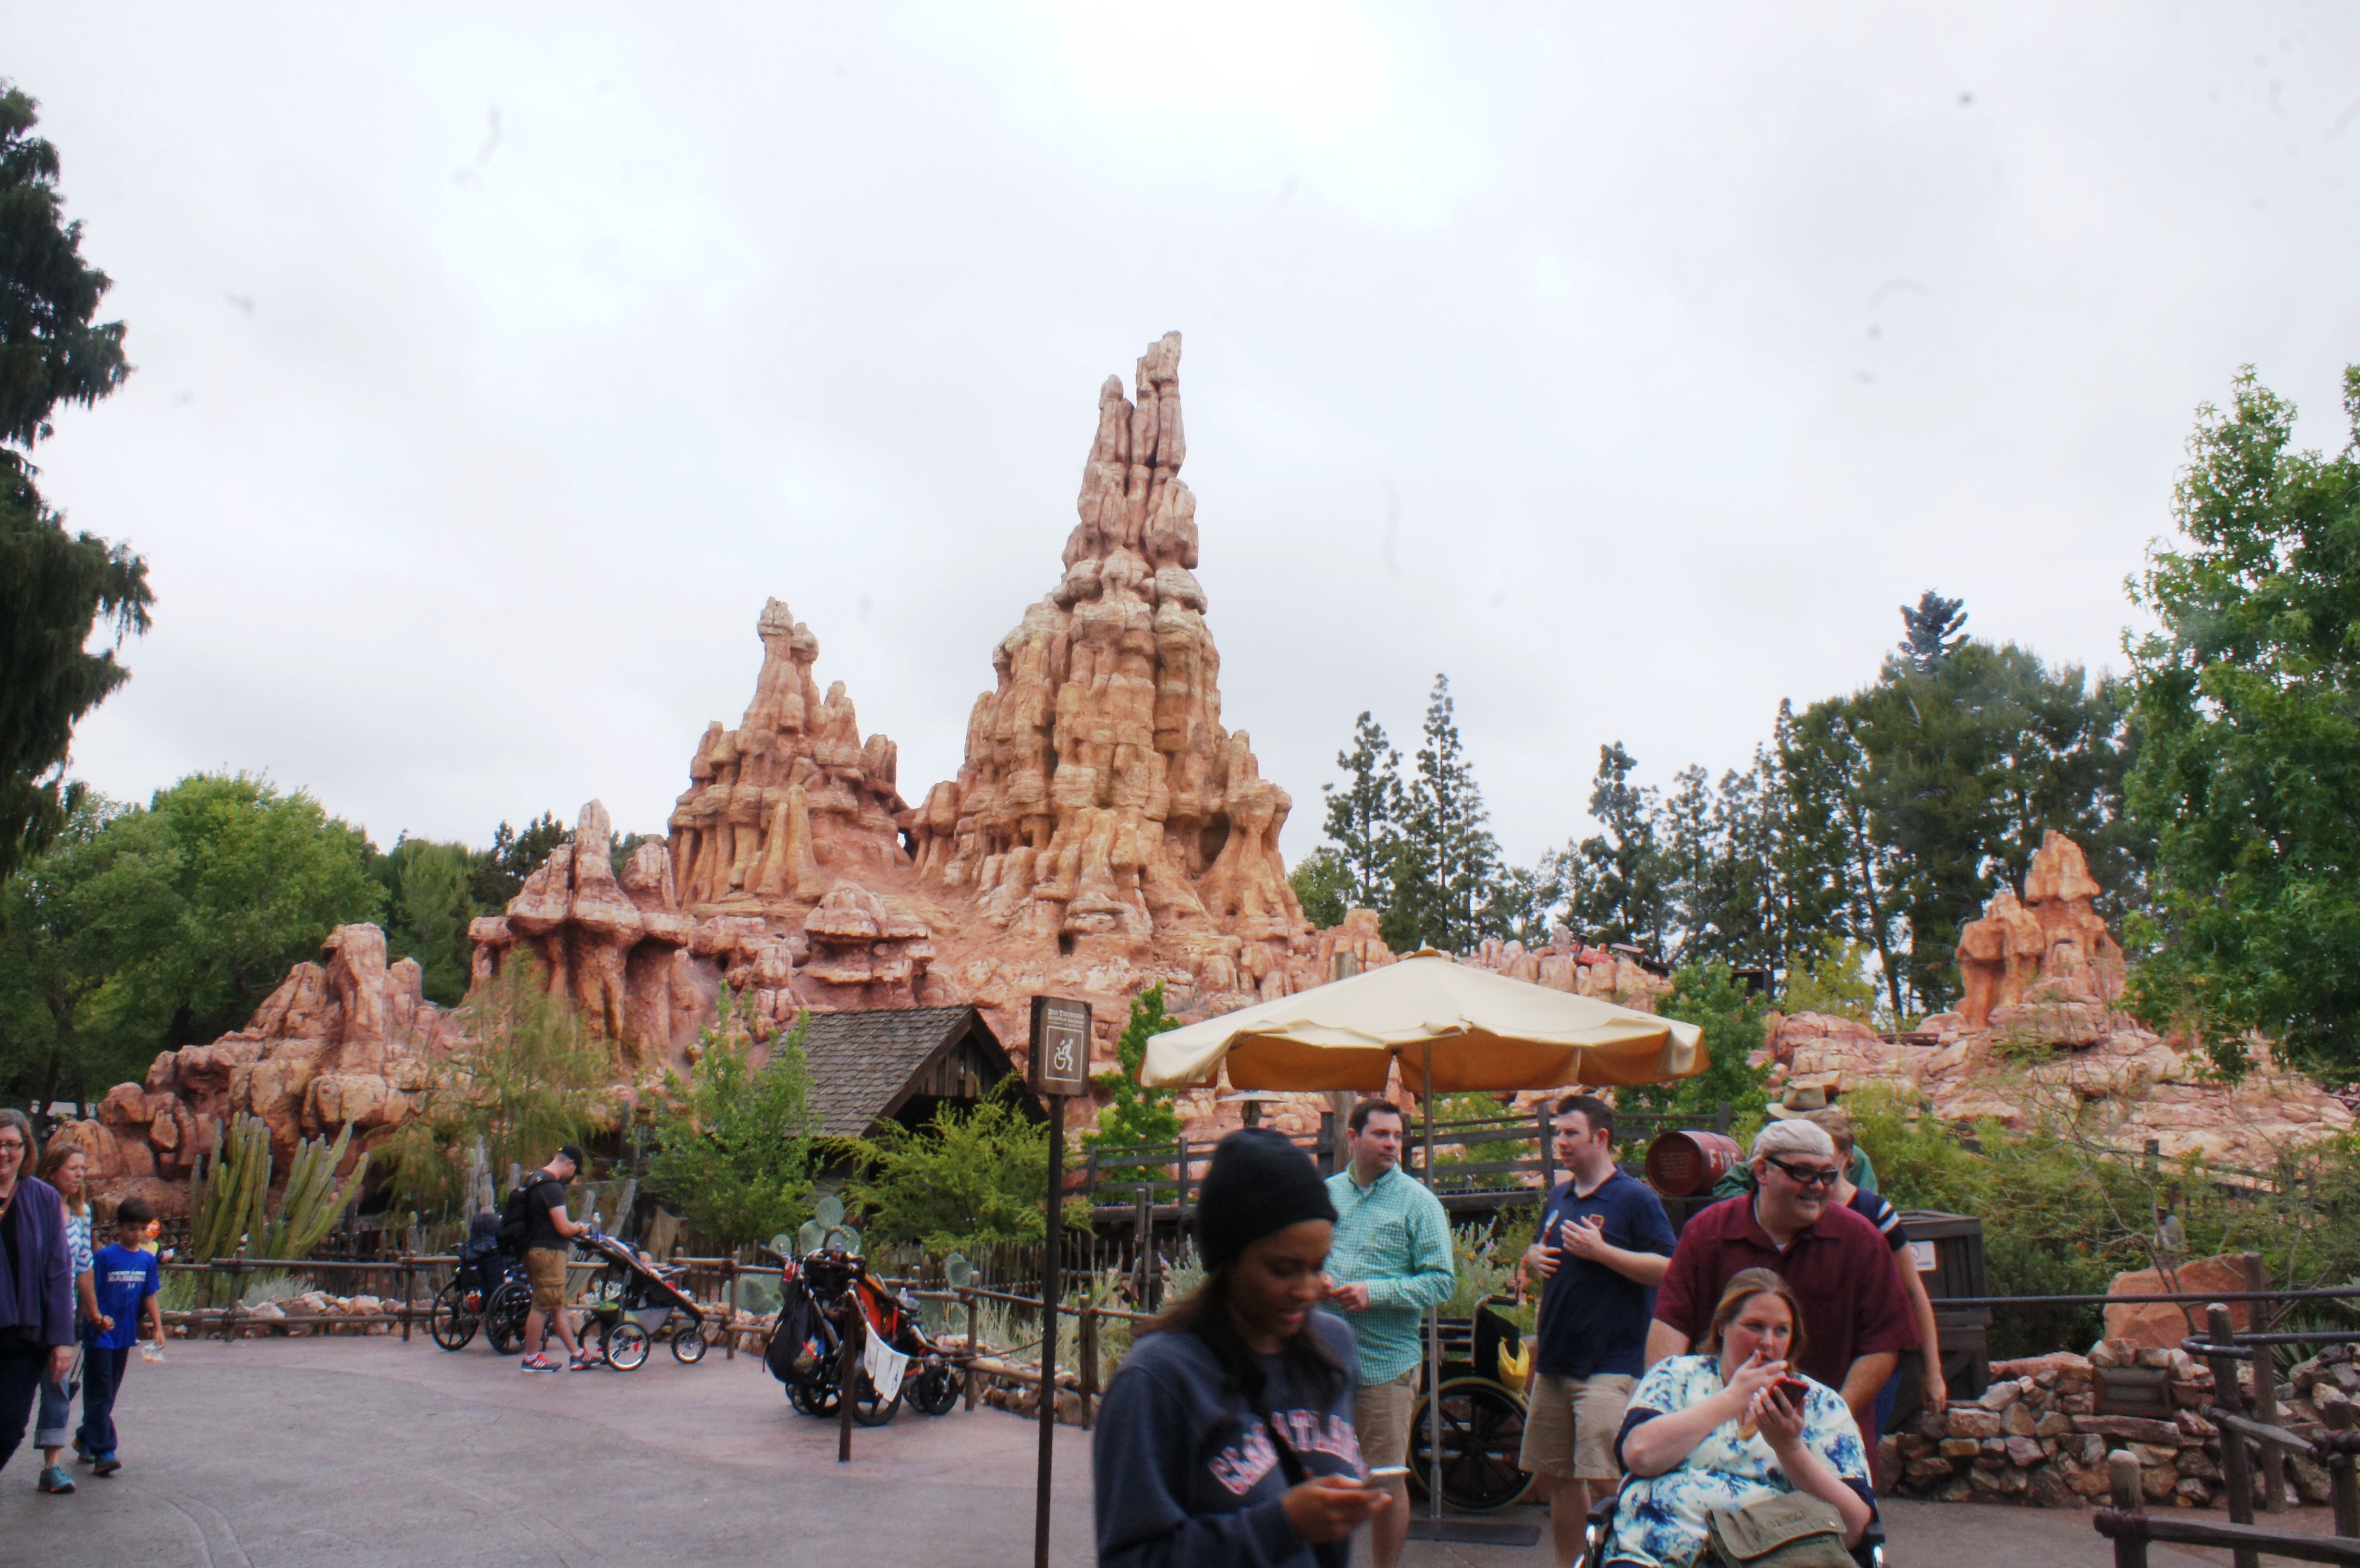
point(1661, 1522)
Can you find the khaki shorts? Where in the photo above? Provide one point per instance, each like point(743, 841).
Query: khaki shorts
point(546, 1269)
point(1381, 1419)
point(1570, 1425)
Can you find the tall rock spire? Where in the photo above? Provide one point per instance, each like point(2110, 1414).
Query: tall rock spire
point(1103, 807)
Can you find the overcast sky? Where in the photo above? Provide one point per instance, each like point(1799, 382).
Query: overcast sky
point(1630, 365)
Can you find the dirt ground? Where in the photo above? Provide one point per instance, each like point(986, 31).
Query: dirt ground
point(369, 1452)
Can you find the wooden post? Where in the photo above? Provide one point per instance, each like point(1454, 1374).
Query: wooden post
point(848, 1367)
point(2122, 1477)
point(1548, 1152)
point(1142, 1242)
point(2237, 1468)
point(729, 1344)
point(2265, 1387)
point(1050, 1288)
point(1086, 1349)
point(408, 1290)
point(237, 1289)
point(2347, 1497)
point(974, 1312)
point(1182, 1199)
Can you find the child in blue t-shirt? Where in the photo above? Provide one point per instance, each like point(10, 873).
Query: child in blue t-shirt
point(127, 1279)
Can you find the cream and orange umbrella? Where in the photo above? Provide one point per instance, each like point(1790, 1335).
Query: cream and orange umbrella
point(1454, 1029)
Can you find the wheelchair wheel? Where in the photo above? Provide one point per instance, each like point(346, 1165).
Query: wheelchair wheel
point(626, 1346)
point(935, 1392)
point(450, 1320)
point(504, 1316)
point(1482, 1431)
point(688, 1345)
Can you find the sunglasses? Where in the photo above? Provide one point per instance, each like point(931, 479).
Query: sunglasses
point(1806, 1175)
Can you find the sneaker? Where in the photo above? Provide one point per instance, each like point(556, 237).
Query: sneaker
point(583, 1360)
point(55, 1479)
point(540, 1364)
point(81, 1454)
point(105, 1465)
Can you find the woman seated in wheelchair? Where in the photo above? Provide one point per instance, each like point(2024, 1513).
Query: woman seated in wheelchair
point(1731, 1427)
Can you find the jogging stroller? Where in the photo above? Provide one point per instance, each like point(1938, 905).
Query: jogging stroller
point(818, 1295)
point(488, 1290)
point(634, 1300)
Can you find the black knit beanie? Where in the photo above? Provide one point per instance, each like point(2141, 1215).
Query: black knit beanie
point(1259, 1184)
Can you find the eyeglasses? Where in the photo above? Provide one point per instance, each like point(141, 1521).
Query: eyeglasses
point(1806, 1175)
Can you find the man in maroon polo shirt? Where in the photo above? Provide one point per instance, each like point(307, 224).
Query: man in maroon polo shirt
point(1855, 1320)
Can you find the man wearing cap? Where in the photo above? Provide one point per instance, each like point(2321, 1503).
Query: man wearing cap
point(1855, 1319)
point(1390, 1261)
point(546, 1232)
point(1604, 1244)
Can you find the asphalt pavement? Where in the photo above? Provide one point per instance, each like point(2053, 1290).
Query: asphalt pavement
point(270, 1454)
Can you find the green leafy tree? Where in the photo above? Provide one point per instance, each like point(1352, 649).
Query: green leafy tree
point(2247, 703)
point(55, 945)
point(526, 1078)
point(428, 910)
point(1134, 1114)
point(1322, 886)
point(1446, 862)
point(57, 589)
point(1706, 995)
point(1931, 630)
point(971, 1177)
point(159, 927)
point(496, 874)
point(734, 1147)
point(1624, 896)
point(1363, 823)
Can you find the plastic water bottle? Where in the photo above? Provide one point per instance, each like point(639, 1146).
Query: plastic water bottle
point(151, 1350)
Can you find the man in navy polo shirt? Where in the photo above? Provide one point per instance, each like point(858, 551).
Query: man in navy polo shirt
point(1855, 1319)
point(1603, 1245)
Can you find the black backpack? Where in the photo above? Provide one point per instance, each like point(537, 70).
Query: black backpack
point(515, 1218)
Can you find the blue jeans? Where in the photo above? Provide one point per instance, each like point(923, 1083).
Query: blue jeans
point(102, 1379)
point(56, 1422)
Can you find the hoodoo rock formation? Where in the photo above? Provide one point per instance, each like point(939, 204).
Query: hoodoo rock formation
point(2038, 1035)
point(346, 1041)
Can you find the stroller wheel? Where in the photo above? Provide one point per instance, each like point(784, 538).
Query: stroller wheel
point(626, 1346)
point(688, 1346)
point(504, 1316)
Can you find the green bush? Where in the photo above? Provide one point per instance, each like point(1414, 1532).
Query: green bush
point(734, 1147)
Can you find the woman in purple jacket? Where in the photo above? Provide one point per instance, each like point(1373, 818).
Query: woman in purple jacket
point(37, 1304)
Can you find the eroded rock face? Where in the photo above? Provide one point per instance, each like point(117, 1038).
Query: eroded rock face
point(2038, 1038)
point(344, 1041)
point(2050, 948)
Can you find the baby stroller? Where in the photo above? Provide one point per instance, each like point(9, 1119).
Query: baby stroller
point(488, 1290)
point(819, 1293)
point(633, 1302)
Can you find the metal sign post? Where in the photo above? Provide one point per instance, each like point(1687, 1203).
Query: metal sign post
point(1059, 1067)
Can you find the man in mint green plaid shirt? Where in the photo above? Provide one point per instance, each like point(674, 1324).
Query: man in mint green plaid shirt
point(1390, 1261)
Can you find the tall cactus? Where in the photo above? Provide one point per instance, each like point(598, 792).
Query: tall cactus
point(231, 1193)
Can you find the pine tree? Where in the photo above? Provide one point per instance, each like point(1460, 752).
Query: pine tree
point(1447, 867)
point(1364, 816)
point(1932, 631)
point(1624, 896)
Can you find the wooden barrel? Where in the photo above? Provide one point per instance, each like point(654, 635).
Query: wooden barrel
point(1680, 1164)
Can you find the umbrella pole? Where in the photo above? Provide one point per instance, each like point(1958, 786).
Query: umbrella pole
point(1433, 1334)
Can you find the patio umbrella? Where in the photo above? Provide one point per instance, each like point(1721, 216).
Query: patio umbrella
point(1454, 1028)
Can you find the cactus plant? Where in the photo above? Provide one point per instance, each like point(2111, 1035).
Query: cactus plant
point(230, 1194)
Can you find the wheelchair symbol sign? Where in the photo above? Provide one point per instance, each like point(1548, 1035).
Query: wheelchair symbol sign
point(1061, 1046)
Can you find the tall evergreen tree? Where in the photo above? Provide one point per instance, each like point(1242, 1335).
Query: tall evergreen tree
point(56, 589)
point(1448, 864)
point(1931, 632)
point(1363, 823)
point(1623, 894)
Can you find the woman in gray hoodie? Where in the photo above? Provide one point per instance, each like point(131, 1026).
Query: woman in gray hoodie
point(1226, 1437)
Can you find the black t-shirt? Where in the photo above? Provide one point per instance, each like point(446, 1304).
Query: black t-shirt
point(545, 1193)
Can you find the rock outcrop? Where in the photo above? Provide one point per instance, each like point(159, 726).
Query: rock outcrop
point(346, 1041)
point(2043, 974)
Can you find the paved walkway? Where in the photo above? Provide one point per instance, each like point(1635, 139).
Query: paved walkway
point(275, 1452)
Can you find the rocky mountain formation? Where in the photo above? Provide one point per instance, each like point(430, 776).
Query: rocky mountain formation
point(2037, 1033)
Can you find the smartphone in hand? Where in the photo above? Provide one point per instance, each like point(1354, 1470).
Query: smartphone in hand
point(1794, 1390)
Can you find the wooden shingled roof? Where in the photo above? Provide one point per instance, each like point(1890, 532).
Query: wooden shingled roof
point(865, 1066)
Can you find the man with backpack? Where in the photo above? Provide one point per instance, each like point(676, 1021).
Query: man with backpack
point(535, 1219)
